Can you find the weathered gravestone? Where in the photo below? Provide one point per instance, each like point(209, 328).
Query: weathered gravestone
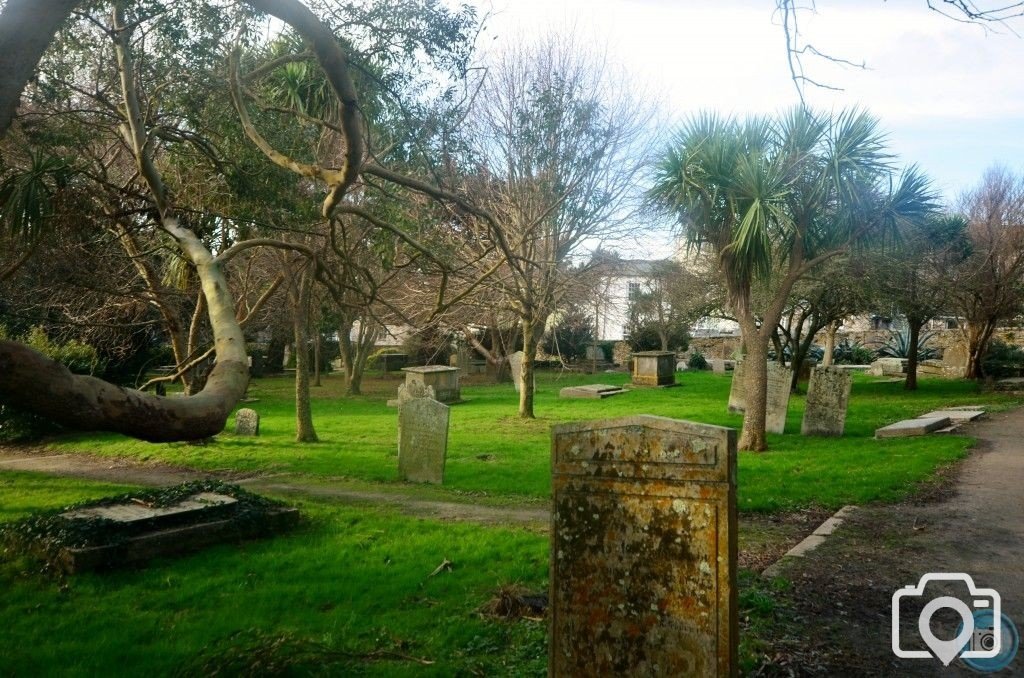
point(828, 395)
point(780, 385)
point(737, 390)
point(515, 366)
point(412, 390)
point(247, 422)
point(654, 368)
point(422, 440)
point(443, 378)
point(643, 549)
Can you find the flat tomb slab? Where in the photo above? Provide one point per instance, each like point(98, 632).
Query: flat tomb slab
point(174, 541)
point(137, 513)
point(912, 427)
point(592, 391)
point(957, 416)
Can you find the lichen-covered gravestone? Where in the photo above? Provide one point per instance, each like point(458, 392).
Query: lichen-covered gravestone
point(247, 422)
point(422, 440)
point(828, 395)
point(643, 549)
point(780, 385)
point(737, 390)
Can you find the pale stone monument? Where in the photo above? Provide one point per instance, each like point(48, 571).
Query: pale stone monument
point(737, 390)
point(654, 368)
point(442, 378)
point(515, 366)
point(643, 549)
point(780, 385)
point(247, 422)
point(422, 440)
point(828, 395)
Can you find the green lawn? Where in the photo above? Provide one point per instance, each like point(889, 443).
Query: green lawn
point(349, 593)
point(492, 451)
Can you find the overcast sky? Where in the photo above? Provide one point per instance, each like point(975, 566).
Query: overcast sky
point(951, 95)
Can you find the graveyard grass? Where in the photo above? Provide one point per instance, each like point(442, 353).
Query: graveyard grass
point(495, 457)
point(300, 597)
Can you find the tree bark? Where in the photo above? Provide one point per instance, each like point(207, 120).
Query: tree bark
point(316, 357)
point(304, 430)
point(979, 333)
point(533, 328)
point(753, 436)
point(830, 345)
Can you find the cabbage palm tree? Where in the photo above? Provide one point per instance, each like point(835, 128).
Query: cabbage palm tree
point(773, 198)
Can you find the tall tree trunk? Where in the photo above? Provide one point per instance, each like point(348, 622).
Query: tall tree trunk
point(830, 344)
point(316, 357)
point(663, 335)
point(755, 368)
point(304, 431)
point(979, 332)
point(533, 328)
point(914, 332)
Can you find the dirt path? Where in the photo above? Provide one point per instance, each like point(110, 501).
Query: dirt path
point(131, 472)
point(840, 619)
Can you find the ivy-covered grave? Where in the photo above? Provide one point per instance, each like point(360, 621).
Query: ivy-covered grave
point(133, 528)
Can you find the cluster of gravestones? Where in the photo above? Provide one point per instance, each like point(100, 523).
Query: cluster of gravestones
point(828, 394)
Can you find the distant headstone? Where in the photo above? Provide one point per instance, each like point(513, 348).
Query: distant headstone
point(737, 391)
point(422, 440)
point(515, 366)
point(828, 395)
point(643, 549)
point(247, 422)
point(717, 365)
point(654, 368)
point(780, 385)
point(955, 355)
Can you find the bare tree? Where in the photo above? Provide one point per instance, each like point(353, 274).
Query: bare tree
point(557, 140)
point(988, 287)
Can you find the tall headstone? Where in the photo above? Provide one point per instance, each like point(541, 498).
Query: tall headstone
point(828, 395)
point(737, 390)
point(643, 549)
point(247, 422)
point(515, 366)
point(780, 385)
point(422, 440)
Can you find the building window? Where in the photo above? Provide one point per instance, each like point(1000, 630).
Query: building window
point(634, 290)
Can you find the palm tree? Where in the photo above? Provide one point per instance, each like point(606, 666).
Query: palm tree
point(775, 197)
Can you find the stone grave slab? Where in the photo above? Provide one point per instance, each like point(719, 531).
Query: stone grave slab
point(912, 427)
point(590, 391)
point(654, 368)
point(955, 416)
point(828, 395)
point(442, 378)
point(422, 440)
point(737, 395)
point(247, 422)
point(780, 386)
point(643, 546)
point(134, 513)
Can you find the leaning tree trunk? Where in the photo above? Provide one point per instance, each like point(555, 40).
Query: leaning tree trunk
point(755, 416)
point(532, 330)
point(316, 358)
point(830, 344)
point(978, 335)
point(914, 332)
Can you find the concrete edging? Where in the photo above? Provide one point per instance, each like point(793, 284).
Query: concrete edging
point(810, 542)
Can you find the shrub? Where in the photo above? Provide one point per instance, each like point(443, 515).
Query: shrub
point(697, 361)
point(852, 353)
point(898, 345)
point(1003, 360)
